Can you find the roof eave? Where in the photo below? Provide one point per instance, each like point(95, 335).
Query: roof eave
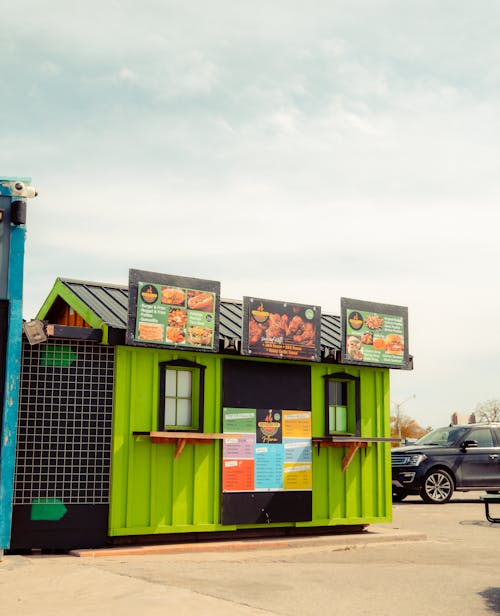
point(61, 290)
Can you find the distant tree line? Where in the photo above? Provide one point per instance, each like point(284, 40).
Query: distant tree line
point(405, 427)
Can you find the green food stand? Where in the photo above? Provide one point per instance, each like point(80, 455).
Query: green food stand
point(219, 417)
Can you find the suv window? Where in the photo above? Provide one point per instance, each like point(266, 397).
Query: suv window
point(497, 435)
point(445, 437)
point(482, 436)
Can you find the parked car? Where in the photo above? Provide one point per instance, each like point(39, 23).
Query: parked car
point(453, 458)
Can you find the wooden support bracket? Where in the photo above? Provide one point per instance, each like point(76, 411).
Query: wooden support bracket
point(351, 449)
point(351, 452)
point(182, 439)
point(351, 445)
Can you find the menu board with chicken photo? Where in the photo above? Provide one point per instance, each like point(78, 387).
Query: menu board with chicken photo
point(173, 311)
point(282, 330)
point(375, 334)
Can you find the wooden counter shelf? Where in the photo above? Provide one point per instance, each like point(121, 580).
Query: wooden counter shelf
point(351, 443)
point(184, 438)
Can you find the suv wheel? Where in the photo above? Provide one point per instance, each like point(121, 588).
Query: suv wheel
point(437, 487)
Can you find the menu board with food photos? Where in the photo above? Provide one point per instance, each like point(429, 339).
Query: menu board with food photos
point(281, 329)
point(374, 334)
point(173, 311)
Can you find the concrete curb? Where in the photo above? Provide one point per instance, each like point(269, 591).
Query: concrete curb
point(336, 542)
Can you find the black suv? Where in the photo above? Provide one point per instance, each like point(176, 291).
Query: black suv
point(447, 459)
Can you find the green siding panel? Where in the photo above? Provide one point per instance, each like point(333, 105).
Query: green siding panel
point(154, 493)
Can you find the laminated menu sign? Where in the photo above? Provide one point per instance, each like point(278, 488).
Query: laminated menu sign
point(281, 329)
point(374, 334)
point(173, 311)
point(271, 450)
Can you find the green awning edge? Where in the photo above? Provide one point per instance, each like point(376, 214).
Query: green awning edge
point(61, 290)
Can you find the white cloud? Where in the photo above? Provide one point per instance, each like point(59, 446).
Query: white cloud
point(126, 74)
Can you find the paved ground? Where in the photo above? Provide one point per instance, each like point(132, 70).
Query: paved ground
point(430, 560)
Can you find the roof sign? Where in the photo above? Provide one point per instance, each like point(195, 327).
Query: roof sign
point(173, 311)
point(281, 329)
point(374, 334)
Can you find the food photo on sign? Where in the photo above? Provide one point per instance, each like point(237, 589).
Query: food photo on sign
point(281, 329)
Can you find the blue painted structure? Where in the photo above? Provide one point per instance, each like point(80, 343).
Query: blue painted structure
point(12, 239)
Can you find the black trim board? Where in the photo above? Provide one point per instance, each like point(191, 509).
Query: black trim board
point(74, 333)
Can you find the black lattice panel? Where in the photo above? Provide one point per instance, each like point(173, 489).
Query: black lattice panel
point(64, 426)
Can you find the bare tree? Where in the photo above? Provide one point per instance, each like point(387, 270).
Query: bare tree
point(488, 411)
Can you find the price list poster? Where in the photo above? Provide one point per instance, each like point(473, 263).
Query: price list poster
point(267, 465)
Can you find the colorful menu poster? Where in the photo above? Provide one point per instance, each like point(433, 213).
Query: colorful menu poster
point(374, 334)
point(281, 329)
point(271, 450)
point(173, 311)
point(238, 454)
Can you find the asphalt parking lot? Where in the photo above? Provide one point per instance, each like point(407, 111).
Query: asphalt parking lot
point(432, 559)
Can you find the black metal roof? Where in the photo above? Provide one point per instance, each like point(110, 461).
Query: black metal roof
point(110, 304)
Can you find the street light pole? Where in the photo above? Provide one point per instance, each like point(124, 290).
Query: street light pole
point(398, 406)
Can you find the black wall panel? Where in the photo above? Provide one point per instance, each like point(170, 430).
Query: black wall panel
point(266, 507)
point(266, 385)
point(251, 384)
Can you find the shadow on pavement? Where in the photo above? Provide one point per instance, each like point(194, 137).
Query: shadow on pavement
point(418, 501)
point(479, 523)
point(492, 599)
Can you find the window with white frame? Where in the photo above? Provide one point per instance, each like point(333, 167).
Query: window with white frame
point(181, 396)
point(342, 404)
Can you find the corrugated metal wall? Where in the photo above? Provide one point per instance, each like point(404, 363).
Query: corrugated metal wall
point(152, 492)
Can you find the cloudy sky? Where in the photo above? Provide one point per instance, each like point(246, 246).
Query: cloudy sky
point(303, 151)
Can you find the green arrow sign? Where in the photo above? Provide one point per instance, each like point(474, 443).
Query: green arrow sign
point(47, 509)
point(58, 356)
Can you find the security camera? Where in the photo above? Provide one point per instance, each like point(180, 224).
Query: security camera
point(20, 189)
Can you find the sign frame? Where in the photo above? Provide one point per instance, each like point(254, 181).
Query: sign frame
point(178, 282)
point(350, 310)
point(282, 347)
